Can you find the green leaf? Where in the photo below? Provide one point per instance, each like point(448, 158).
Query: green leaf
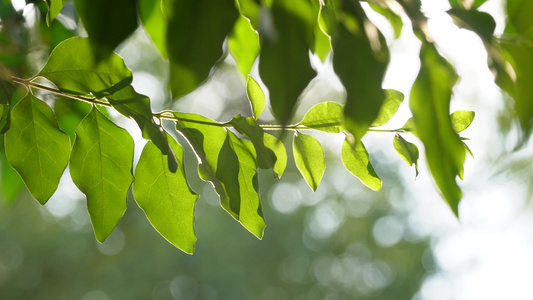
point(393, 100)
point(137, 106)
point(360, 68)
point(165, 197)
point(73, 70)
point(250, 212)
point(7, 88)
point(284, 63)
point(108, 23)
point(473, 5)
point(256, 96)
point(248, 127)
point(481, 23)
point(101, 167)
point(11, 184)
point(243, 44)
point(461, 119)
point(325, 116)
point(36, 148)
point(196, 32)
point(430, 105)
point(154, 22)
point(356, 160)
point(394, 19)
point(407, 151)
point(54, 7)
point(409, 126)
point(279, 150)
point(251, 10)
point(322, 44)
point(467, 149)
point(309, 158)
point(227, 163)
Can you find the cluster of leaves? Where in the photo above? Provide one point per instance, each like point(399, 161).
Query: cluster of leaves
point(191, 35)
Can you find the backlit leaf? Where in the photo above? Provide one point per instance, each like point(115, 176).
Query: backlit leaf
point(154, 22)
point(481, 23)
point(137, 106)
point(73, 70)
point(248, 127)
point(243, 44)
point(325, 116)
point(309, 159)
point(461, 119)
point(279, 150)
point(229, 164)
point(166, 197)
point(356, 160)
point(394, 19)
point(196, 32)
point(7, 89)
point(108, 23)
point(284, 63)
point(407, 151)
point(430, 105)
point(36, 148)
point(54, 7)
point(101, 167)
point(256, 96)
point(393, 100)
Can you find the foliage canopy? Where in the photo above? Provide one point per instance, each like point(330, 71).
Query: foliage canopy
point(193, 36)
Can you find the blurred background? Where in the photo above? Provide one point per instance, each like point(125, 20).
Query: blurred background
point(342, 242)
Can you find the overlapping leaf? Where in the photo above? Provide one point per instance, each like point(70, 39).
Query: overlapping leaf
point(360, 66)
point(229, 164)
point(72, 68)
point(108, 23)
point(393, 100)
point(243, 44)
point(481, 23)
point(166, 197)
point(309, 159)
point(101, 167)
point(54, 7)
point(7, 89)
point(36, 147)
point(279, 150)
point(356, 160)
point(196, 31)
point(134, 105)
point(284, 63)
point(249, 127)
point(430, 105)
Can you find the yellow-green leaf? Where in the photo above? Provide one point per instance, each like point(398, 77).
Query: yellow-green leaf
point(278, 147)
point(101, 167)
point(325, 116)
point(255, 96)
point(356, 160)
point(309, 159)
point(407, 151)
point(165, 197)
point(36, 148)
point(461, 119)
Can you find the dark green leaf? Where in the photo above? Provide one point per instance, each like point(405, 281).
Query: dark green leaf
point(256, 96)
point(279, 150)
point(360, 69)
point(461, 119)
point(325, 116)
point(100, 166)
point(228, 163)
point(108, 23)
point(251, 10)
point(407, 151)
point(11, 184)
point(72, 69)
point(154, 22)
point(196, 32)
point(243, 44)
point(136, 106)
point(356, 160)
point(36, 147)
point(54, 7)
point(480, 22)
point(309, 158)
point(248, 127)
point(389, 108)
point(7, 89)
point(284, 63)
point(430, 104)
point(166, 197)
